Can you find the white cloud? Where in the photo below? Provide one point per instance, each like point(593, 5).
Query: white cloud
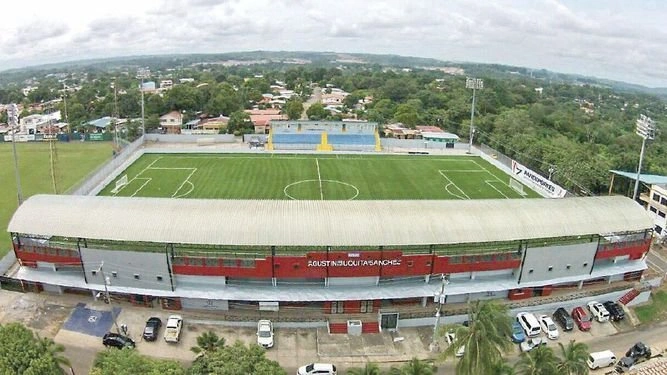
point(620, 40)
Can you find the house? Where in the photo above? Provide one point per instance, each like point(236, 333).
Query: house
point(399, 131)
point(262, 117)
point(429, 128)
point(656, 203)
point(171, 122)
point(213, 125)
point(166, 84)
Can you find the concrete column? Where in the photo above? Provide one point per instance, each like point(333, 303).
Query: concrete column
point(274, 281)
point(581, 284)
point(427, 278)
point(424, 301)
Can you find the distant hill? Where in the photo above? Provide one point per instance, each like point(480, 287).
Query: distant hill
point(326, 58)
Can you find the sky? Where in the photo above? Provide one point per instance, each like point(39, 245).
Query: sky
point(621, 40)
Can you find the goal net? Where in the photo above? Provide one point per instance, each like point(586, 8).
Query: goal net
point(517, 186)
point(120, 183)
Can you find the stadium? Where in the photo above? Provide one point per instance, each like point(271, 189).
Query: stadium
point(339, 229)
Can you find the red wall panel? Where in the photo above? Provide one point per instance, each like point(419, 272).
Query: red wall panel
point(28, 256)
point(634, 249)
point(352, 307)
point(262, 269)
point(442, 264)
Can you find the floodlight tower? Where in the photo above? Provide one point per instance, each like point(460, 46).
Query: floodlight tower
point(646, 130)
point(143, 73)
point(474, 84)
point(13, 119)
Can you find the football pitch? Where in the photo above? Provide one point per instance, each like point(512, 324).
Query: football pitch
point(314, 177)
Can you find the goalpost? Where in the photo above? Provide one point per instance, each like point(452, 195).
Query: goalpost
point(517, 186)
point(120, 183)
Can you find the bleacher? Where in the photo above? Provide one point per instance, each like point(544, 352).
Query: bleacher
point(314, 135)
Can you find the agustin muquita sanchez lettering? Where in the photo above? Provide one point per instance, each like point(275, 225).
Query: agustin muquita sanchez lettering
point(539, 180)
point(354, 263)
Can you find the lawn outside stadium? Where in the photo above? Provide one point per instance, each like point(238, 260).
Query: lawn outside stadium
point(220, 228)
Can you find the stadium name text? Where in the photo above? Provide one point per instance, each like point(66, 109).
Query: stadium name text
point(539, 180)
point(354, 263)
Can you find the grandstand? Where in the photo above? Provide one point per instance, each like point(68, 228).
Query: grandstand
point(324, 136)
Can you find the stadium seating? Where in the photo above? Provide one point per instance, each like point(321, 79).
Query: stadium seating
point(305, 139)
point(323, 135)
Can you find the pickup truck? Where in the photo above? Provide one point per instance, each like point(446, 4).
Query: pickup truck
point(172, 331)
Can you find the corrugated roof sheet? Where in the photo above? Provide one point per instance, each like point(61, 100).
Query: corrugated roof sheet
point(321, 223)
point(645, 178)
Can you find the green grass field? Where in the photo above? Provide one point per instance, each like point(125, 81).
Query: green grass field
point(75, 161)
point(301, 176)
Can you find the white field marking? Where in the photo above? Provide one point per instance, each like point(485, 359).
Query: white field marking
point(360, 157)
point(498, 178)
point(286, 188)
point(146, 181)
point(490, 183)
point(173, 168)
point(658, 256)
point(463, 170)
point(319, 178)
point(451, 183)
point(136, 177)
point(187, 180)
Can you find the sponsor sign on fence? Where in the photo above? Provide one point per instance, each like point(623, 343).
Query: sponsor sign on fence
point(531, 178)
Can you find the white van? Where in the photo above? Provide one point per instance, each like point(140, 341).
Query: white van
point(601, 359)
point(529, 323)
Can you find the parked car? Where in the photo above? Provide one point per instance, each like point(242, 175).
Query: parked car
point(601, 359)
point(549, 327)
point(529, 323)
point(562, 317)
point(265, 333)
point(624, 364)
point(172, 331)
point(581, 318)
point(117, 341)
point(532, 343)
point(598, 311)
point(451, 337)
point(639, 350)
point(152, 328)
point(616, 312)
point(518, 335)
point(317, 369)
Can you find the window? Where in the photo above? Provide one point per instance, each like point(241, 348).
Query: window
point(568, 266)
point(136, 276)
point(551, 268)
point(229, 262)
point(195, 261)
point(366, 306)
point(454, 260)
point(653, 209)
point(94, 273)
point(211, 262)
point(248, 263)
point(661, 214)
point(663, 201)
point(656, 197)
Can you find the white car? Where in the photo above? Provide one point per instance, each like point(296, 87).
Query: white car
point(549, 327)
point(451, 337)
point(317, 369)
point(532, 343)
point(265, 334)
point(529, 323)
point(598, 311)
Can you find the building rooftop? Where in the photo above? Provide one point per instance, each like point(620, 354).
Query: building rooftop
point(324, 223)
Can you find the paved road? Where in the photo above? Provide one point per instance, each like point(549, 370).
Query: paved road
point(657, 261)
point(315, 98)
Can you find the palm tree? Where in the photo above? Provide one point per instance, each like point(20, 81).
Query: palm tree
point(502, 368)
point(574, 356)
point(414, 367)
point(485, 338)
point(208, 342)
point(371, 368)
point(54, 350)
point(539, 361)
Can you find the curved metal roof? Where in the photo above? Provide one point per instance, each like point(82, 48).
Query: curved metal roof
point(322, 223)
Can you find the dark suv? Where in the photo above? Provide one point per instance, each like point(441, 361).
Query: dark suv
point(639, 350)
point(152, 328)
point(616, 312)
point(117, 341)
point(562, 317)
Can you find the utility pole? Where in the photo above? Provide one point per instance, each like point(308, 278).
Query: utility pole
point(441, 301)
point(107, 297)
point(474, 84)
point(646, 130)
point(13, 119)
point(143, 73)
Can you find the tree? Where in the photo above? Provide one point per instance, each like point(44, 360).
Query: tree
point(21, 352)
point(294, 109)
point(573, 358)
point(317, 112)
point(130, 362)
point(239, 122)
point(539, 361)
point(54, 350)
point(208, 342)
point(414, 367)
point(370, 369)
point(485, 339)
point(236, 359)
point(502, 368)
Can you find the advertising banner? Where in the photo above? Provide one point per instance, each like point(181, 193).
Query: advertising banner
point(535, 180)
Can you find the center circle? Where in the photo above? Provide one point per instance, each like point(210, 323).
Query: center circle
point(317, 190)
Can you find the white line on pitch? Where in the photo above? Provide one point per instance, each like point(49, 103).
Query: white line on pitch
point(319, 178)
